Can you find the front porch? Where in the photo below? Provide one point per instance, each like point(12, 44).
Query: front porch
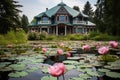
point(63, 29)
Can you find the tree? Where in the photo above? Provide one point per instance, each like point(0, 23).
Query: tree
point(24, 21)
point(9, 15)
point(98, 16)
point(88, 10)
point(112, 17)
point(76, 8)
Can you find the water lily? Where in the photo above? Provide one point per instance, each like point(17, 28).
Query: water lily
point(57, 70)
point(103, 50)
point(9, 45)
point(86, 47)
point(62, 44)
point(44, 49)
point(59, 51)
point(113, 44)
point(68, 54)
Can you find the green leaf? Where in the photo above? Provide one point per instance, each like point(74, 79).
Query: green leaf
point(48, 78)
point(18, 74)
point(113, 74)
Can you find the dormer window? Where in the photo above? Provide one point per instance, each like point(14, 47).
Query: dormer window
point(45, 19)
point(62, 18)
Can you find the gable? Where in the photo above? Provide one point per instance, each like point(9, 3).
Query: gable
point(62, 10)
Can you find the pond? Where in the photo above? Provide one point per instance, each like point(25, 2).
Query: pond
point(26, 62)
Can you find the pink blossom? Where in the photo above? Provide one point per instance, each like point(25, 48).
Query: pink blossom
point(44, 49)
point(113, 44)
point(59, 51)
point(62, 44)
point(68, 54)
point(57, 69)
point(103, 50)
point(86, 47)
point(9, 45)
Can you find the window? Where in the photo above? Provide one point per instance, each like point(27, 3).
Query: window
point(44, 19)
point(62, 18)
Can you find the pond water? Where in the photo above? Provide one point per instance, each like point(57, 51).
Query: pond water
point(33, 65)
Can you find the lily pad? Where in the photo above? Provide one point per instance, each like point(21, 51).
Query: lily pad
point(84, 76)
point(5, 69)
point(32, 69)
point(113, 74)
point(48, 78)
point(103, 70)
point(17, 67)
point(69, 67)
point(18, 74)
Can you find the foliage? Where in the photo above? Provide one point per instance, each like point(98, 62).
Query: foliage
point(24, 22)
point(9, 17)
point(76, 8)
point(13, 37)
point(33, 36)
point(88, 10)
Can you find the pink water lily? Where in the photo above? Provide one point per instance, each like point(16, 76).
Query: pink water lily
point(59, 51)
point(57, 69)
point(86, 47)
point(44, 49)
point(68, 54)
point(103, 50)
point(113, 44)
point(9, 45)
point(62, 44)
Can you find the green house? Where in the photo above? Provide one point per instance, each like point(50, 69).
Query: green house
point(62, 20)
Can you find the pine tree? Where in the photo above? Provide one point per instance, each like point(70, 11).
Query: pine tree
point(24, 21)
point(76, 8)
point(9, 15)
point(88, 10)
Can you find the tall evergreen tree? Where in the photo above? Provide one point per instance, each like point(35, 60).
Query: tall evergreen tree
point(98, 15)
point(24, 21)
point(88, 10)
point(9, 15)
point(112, 16)
point(76, 8)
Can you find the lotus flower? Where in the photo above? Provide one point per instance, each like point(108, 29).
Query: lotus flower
point(86, 47)
point(59, 51)
point(62, 44)
point(103, 50)
point(113, 44)
point(68, 54)
point(9, 45)
point(44, 49)
point(57, 69)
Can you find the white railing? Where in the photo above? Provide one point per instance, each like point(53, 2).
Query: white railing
point(44, 22)
point(79, 22)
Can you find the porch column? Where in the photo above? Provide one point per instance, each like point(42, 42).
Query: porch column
point(76, 30)
point(56, 30)
point(40, 29)
point(65, 29)
point(83, 29)
point(48, 30)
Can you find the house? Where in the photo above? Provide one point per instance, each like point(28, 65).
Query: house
point(62, 20)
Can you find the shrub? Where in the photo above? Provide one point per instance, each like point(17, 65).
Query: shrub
point(33, 36)
point(43, 35)
point(13, 37)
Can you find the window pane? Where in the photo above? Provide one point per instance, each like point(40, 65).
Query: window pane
point(44, 19)
point(62, 18)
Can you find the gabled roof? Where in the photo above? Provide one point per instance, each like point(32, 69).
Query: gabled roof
point(54, 10)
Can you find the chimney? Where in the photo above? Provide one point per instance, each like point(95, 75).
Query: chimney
point(46, 9)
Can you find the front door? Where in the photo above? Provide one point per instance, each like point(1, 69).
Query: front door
point(61, 29)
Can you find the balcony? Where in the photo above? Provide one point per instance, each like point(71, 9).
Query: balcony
point(44, 22)
point(79, 22)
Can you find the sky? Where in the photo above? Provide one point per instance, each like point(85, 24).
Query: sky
point(32, 8)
